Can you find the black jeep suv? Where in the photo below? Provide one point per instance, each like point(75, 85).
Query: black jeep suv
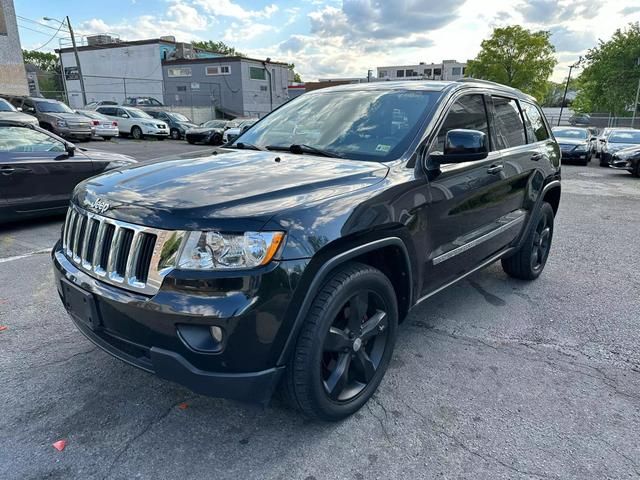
point(290, 260)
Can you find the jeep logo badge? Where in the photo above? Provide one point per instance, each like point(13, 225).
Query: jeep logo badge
point(98, 205)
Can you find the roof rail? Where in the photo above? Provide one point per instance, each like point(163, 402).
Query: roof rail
point(479, 80)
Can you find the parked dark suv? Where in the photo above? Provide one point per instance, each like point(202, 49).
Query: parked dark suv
point(291, 260)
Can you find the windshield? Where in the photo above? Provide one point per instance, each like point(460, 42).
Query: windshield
point(215, 124)
point(6, 106)
point(53, 107)
point(179, 117)
point(373, 125)
point(135, 113)
point(625, 137)
point(575, 133)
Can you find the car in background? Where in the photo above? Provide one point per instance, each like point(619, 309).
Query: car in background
point(595, 133)
point(9, 112)
point(618, 139)
point(39, 170)
point(236, 128)
point(94, 105)
point(178, 123)
point(627, 159)
point(102, 126)
point(580, 119)
point(575, 143)
point(54, 116)
point(142, 102)
point(135, 122)
point(210, 132)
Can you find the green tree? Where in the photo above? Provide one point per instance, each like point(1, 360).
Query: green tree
point(609, 80)
point(218, 47)
point(296, 76)
point(49, 76)
point(516, 57)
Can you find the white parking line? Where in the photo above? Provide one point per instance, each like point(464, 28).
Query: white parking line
point(26, 255)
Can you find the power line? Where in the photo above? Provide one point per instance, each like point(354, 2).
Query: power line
point(36, 22)
point(49, 41)
point(41, 32)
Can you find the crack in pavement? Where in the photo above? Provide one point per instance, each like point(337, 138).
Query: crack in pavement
point(142, 432)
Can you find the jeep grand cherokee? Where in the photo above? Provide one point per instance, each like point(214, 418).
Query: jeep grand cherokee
point(290, 261)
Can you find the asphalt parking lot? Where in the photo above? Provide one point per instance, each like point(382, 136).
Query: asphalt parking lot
point(144, 149)
point(492, 379)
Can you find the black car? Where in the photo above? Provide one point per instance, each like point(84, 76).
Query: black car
point(290, 261)
point(210, 132)
point(627, 159)
point(617, 140)
point(178, 123)
point(575, 144)
point(38, 170)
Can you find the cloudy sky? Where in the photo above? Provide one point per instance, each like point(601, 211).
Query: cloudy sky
point(333, 38)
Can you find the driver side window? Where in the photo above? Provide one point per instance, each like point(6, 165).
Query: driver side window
point(468, 112)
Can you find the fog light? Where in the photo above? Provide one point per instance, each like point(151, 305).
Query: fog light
point(216, 333)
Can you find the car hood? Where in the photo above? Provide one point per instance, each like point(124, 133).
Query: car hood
point(615, 147)
point(18, 117)
point(571, 141)
point(232, 191)
point(628, 152)
point(68, 116)
point(101, 156)
point(197, 129)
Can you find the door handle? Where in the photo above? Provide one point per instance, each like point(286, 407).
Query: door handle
point(7, 170)
point(536, 156)
point(493, 169)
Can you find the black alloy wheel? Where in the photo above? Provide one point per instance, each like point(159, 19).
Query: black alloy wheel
point(345, 344)
point(175, 134)
point(354, 346)
point(529, 260)
point(216, 139)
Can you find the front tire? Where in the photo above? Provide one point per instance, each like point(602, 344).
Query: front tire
point(175, 134)
point(136, 133)
point(345, 345)
point(529, 261)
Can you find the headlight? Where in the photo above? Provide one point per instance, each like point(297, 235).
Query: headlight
point(581, 148)
point(61, 123)
point(221, 251)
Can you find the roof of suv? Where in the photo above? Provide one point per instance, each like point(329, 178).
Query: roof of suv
point(427, 85)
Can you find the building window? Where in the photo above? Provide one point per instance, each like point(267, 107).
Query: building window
point(411, 73)
point(456, 71)
point(257, 73)
point(218, 70)
point(3, 23)
point(179, 72)
point(427, 72)
point(464, 70)
point(399, 73)
point(383, 73)
point(437, 72)
point(181, 88)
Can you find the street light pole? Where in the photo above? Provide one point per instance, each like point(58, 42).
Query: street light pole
point(75, 52)
point(566, 87)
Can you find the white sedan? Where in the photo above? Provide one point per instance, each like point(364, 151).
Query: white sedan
point(135, 122)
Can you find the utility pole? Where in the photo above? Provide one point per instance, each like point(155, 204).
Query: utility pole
point(566, 87)
point(75, 51)
point(635, 105)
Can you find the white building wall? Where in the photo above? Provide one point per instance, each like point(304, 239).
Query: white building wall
point(115, 73)
point(256, 101)
point(447, 70)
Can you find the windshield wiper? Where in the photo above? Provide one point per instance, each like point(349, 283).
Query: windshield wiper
point(303, 148)
point(248, 146)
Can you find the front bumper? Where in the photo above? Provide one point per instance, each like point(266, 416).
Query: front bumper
point(573, 155)
point(620, 164)
point(155, 132)
point(73, 132)
point(150, 332)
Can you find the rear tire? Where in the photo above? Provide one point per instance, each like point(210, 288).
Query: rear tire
point(216, 139)
point(175, 134)
point(529, 261)
point(345, 345)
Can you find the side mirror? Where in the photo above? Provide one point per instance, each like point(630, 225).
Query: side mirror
point(70, 148)
point(124, 115)
point(602, 140)
point(462, 145)
point(19, 109)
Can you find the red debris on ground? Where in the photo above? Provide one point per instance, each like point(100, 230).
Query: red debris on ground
point(59, 445)
point(183, 406)
point(3, 328)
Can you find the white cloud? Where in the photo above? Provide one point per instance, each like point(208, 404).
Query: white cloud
point(227, 8)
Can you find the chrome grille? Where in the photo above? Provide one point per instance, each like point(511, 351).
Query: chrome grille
point(123, 254)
